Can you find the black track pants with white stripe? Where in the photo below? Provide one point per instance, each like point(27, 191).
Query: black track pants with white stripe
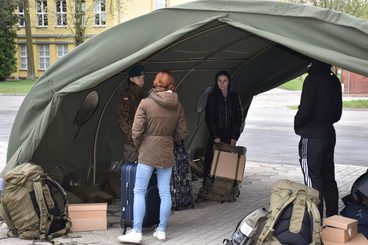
point(317, 163)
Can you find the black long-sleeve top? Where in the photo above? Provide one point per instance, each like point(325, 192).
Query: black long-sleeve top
point(320, 105)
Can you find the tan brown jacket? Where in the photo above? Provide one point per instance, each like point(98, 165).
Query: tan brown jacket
point(158, 123)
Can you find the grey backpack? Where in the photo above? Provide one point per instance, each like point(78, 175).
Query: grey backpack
point(247, 230)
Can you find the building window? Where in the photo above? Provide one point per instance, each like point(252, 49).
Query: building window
point(44, 56)
point(80, 13)
point(23, 57)
point(42, 13)
point(100, 13)
point(61, 13)
point(62, 49)
point(159, 4)
point(21, 16)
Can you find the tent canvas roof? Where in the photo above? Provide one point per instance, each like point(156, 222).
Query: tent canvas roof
point(261, 43)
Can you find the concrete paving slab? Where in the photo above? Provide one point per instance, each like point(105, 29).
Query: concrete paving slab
point(208, 222)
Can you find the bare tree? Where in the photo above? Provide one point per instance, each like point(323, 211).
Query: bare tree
point(119, 7)
point(79, 18)
point(358, 8)
point(31, 72)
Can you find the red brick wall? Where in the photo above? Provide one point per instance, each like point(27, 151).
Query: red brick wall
point(354, 83)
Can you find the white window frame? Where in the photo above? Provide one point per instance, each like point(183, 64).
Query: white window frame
point(100, 13)
point(61, 13)
point(23, 59)
point(21, 22)
point(42, 17)
point(83, 5)
point(159, 4)
point(43, 56)
point(61, 50)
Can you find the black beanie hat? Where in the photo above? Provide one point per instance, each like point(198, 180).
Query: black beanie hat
point(136, 71)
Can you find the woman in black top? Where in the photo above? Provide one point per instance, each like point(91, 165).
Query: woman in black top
point(223, 116)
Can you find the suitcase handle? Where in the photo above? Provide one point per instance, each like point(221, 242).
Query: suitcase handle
point(127, 191)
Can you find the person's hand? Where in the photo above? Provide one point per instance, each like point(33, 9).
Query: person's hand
point(217, 140)
point(233, 142)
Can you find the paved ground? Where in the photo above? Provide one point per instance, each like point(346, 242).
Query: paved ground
point(9, 105)
point(208, 222)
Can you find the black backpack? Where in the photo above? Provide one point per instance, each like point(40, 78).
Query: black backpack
point(356, 203)
point(359, 190)
point(358, 212)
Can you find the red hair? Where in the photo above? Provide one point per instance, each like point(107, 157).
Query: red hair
point(164, 79)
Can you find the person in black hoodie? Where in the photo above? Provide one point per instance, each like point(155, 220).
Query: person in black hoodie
point(224, 117)
point(320, 107)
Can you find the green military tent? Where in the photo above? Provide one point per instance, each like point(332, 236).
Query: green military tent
point(69, 120)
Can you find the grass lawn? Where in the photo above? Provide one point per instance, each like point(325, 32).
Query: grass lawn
point(15, 86)
point(349, 104)
point(295, 84)
point(356, 104)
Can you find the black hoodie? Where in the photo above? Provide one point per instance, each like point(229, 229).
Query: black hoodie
point(224, 114)
point(320, 104)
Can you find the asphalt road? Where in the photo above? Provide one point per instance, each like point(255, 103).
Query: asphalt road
point(268, 134)
point(270, 138)
point(9, 106)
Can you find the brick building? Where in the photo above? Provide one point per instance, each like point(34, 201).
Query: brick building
point(354, 83)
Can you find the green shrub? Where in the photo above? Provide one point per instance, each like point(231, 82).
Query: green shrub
point(7, 38)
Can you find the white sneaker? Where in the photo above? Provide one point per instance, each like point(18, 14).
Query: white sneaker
point(131, 237)
point(160, 235)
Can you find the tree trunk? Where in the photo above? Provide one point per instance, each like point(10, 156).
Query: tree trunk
point(31, 73)
point(79, 34)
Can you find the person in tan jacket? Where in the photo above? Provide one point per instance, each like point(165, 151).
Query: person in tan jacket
point(158, 123)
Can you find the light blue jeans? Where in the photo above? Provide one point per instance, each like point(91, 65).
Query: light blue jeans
point(142, 179)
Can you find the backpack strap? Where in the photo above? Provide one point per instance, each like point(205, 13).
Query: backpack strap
point(38, 189)
point(58, 186)
point(298, 211)
point(68, 225)
point(316, 219)
point(216, 163)
point(63, 216)
point(236, 171)
point(5, 216)
point(268, 230)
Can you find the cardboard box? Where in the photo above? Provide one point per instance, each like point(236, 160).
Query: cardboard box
point(339, 229)
point(224, 165)
point(88, 216)
point(335, 234)
point(359, 239)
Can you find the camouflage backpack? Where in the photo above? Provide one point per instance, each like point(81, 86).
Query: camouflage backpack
point(33, 205)
point(223, 189)
point(293, 216)
point(220, 189)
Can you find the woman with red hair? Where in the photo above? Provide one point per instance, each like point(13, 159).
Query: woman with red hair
point(158, 123)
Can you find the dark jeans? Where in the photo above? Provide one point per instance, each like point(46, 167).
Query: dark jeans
point(317, 163)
